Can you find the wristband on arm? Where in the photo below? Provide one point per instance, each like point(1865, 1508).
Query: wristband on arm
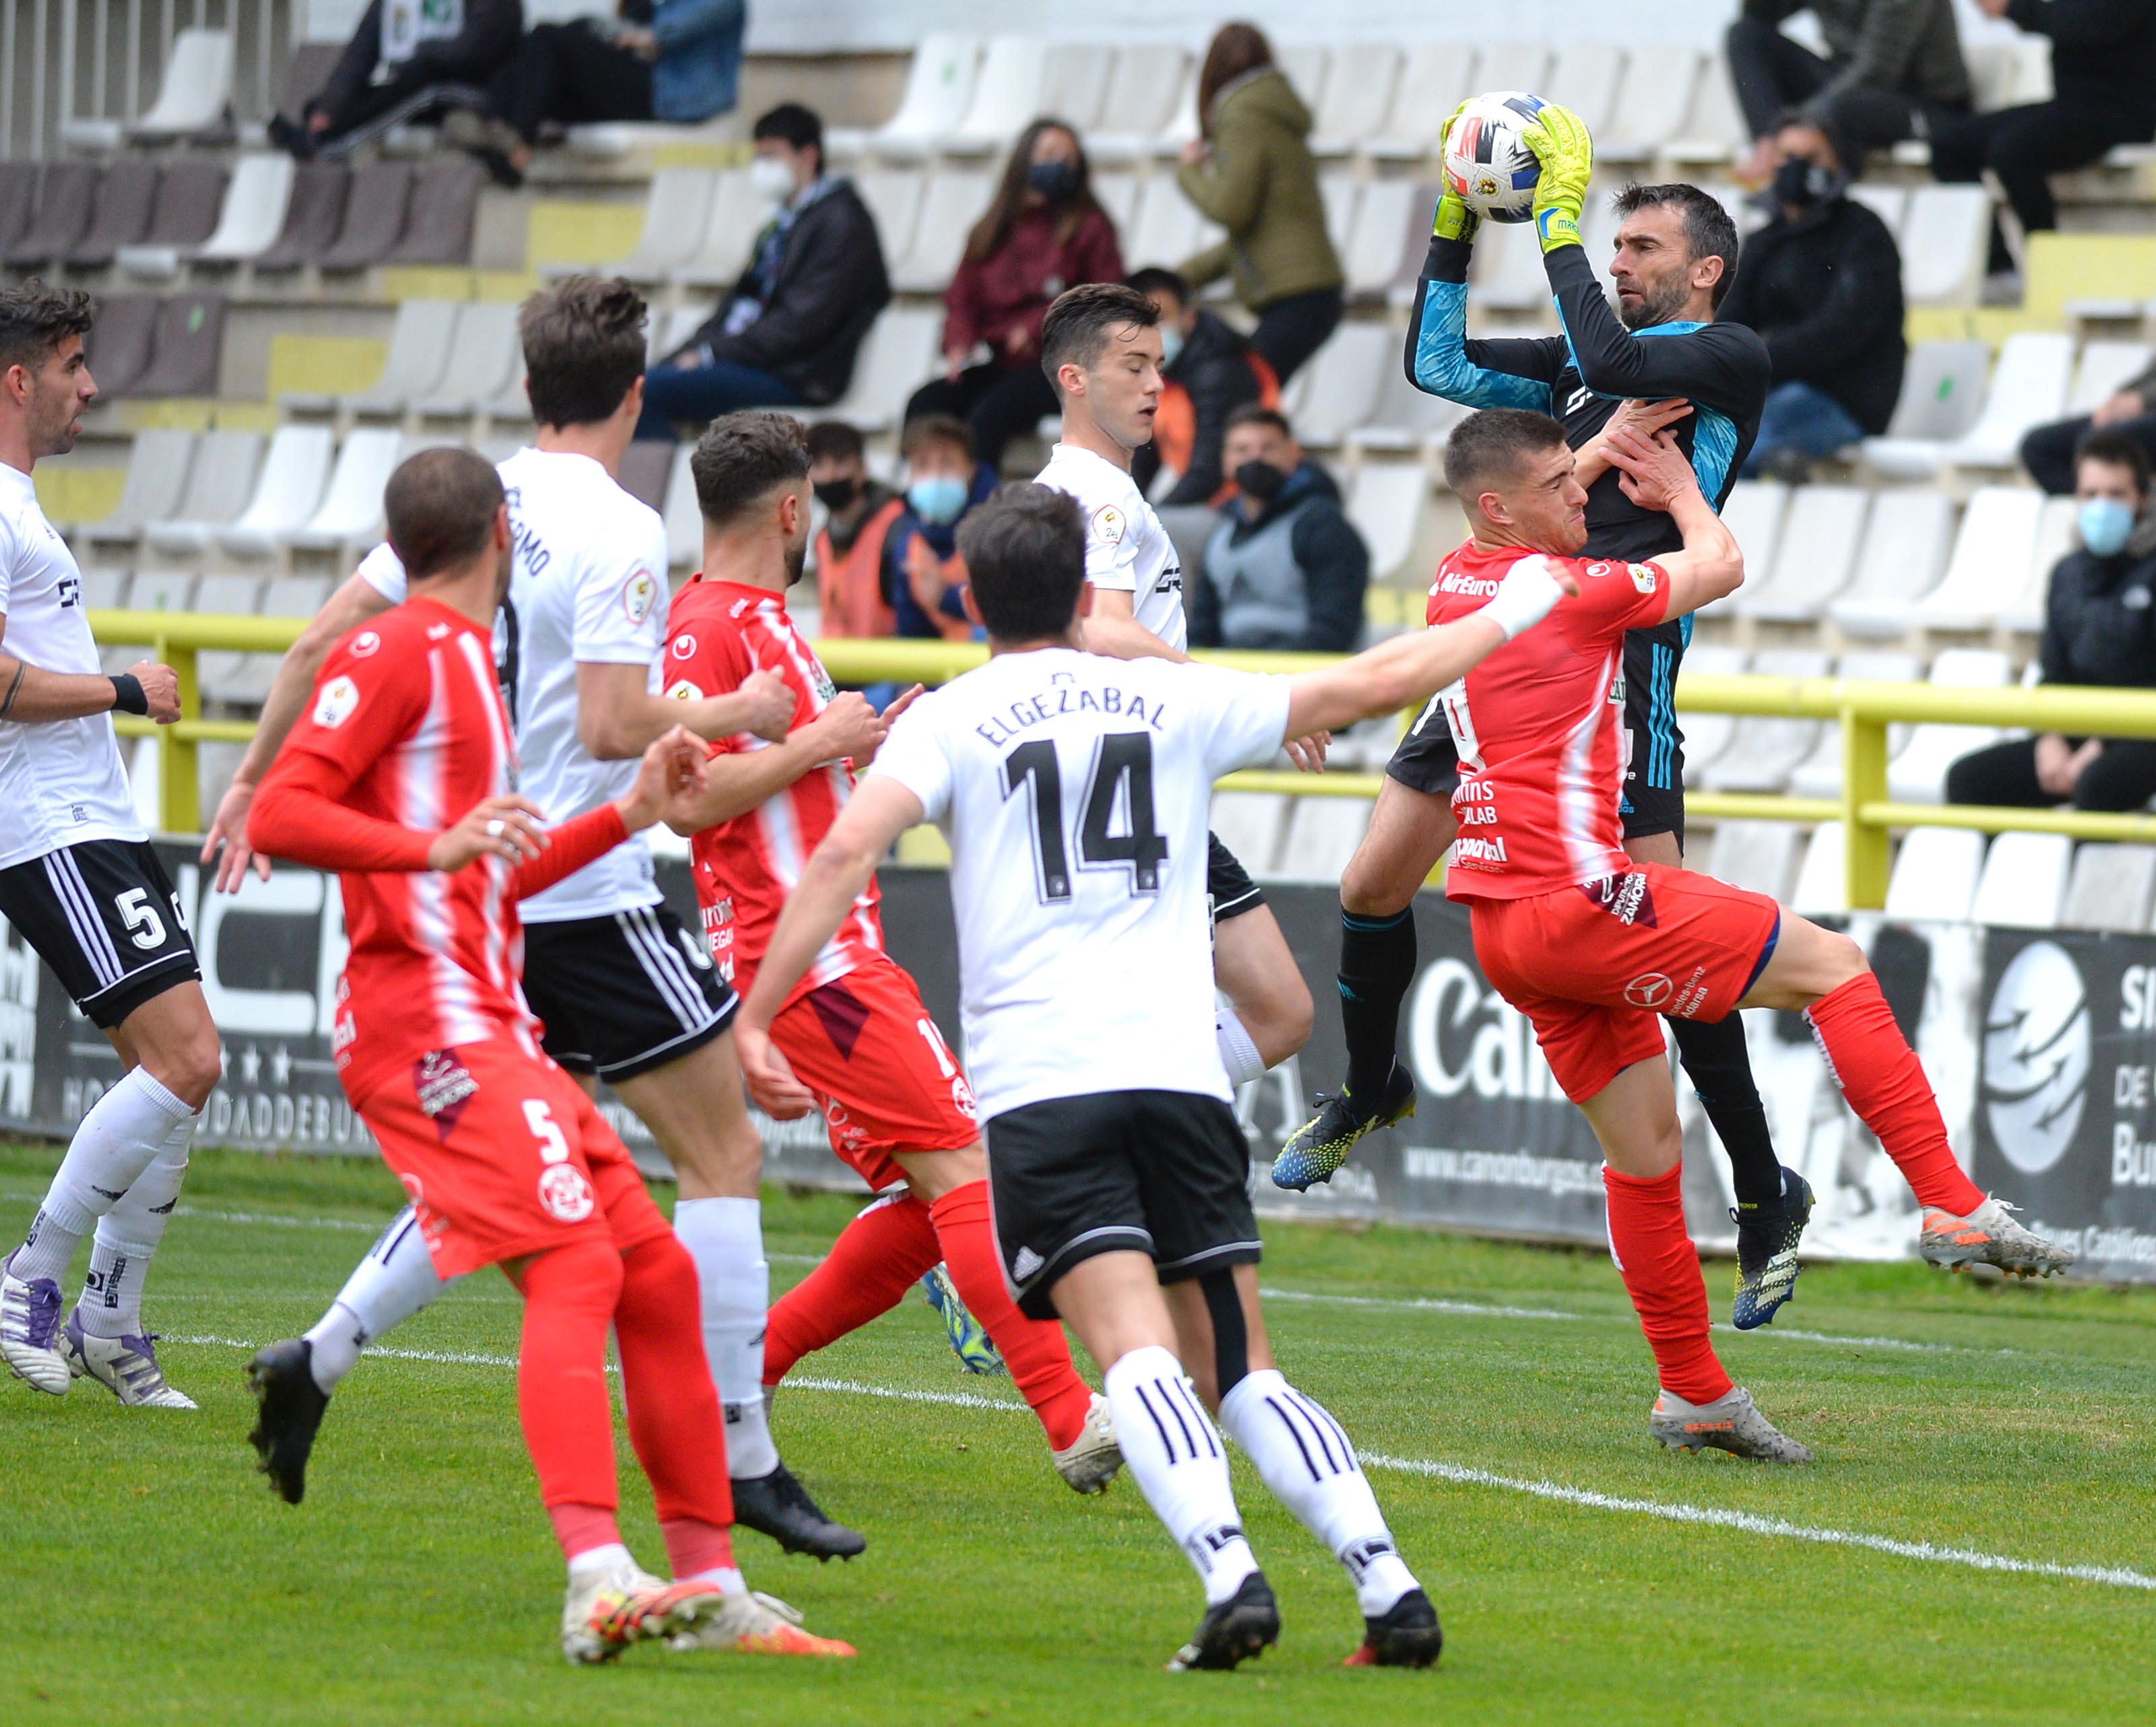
point(127, 695)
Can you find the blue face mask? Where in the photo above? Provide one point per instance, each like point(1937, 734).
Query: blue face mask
point(1171, 345)
point(2106, 525)
point(938, 499)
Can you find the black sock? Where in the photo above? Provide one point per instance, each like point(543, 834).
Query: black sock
point(1377, 965)
point(1720, 1068)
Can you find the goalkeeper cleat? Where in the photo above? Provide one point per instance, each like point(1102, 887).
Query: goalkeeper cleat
point(289, 1408)
point(758, 1624)
point(1732, 1423)
point(1317, 1149)
point(1989, 1236)
point(125, 1366)
point(1405, 1635)
point(608, 1607)
point(1767, 1265)
point(29, 1331)
point(1088, 1463)
point(969, 1338)
point(1244, 1625)
point(779, 1506)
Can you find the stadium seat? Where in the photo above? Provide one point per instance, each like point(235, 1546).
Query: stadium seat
point(18, 201)
point(1336, 390)
point(1819, 774)
point(1990, 561)
point(485, 361)
point(1935, 875)
point(1510, 66)
point(953, 202)
point(375, 211)
point(2024, 886)
point(1584, 77)
point(348, 520)
point(1706, 736)
point(420, 339)
point(1506, 272)
point(2104, 368)
point(1168, 228)
point(1814, 559)
point(939, 84)
point(897, 357)
point(1651, 103)
point(1139, 104)
point(444, 207)
point(186, 349)
point(223, 675)
point(1754, 512)
point(1764, 751)
point(1341, 195)
point(1821, 889)
point(194, 97)
point(157, 480)
point(669, 331)
point(1306, 65)
point(1322, 833)
point(1918, 773)
point(1714, 131)
point(286, 486)
point(220, 481)
point(1405, 417)
point(677, 214)
point(1073, 82)
point(2023, 612)
point(1358, 97)
point(1906, 544)
point(737, 216)
point(2028, 385)
point(67, 191)
point(126, 193)
point(1251, 824)
point(313, 211)
point(191, 199)
point(1388, 212)
point(103, 590)
point(1758, 855)
point(159, 591)
point(685, 522)
point(118, 343)
point(1945, 242)
point(2111, 888)
point(894, 195)
point(1888, 201)
point(1385, 503)
point(1438, 77)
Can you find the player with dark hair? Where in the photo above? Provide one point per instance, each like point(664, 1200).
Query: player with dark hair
point(1660, 360)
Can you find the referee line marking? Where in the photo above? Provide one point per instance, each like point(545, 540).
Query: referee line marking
point(1708, 1516)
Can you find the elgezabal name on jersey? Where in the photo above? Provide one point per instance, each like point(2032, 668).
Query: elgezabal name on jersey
point(1038, 709)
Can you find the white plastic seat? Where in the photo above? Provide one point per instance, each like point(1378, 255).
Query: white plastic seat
point(220, 481)
point(1438, 77)
point(193, 96)
point(1819, 774)
point(1405, 417)
point(2024, 886)
point(1139, 104)
point(1652, 101)
point(1758, 855)
point(893, 196)
point(1006, 96)
point(485, 360)
point(1251, 824)
point(939, 84)
point(2027, 387)
point(1942, 394)
point(1945, 242)
point(953, 202)
point(1358, 97)
point(248, 223)
point(1074, 83)
point(677, 214)
point(157, 480)
point(1512, 66)
point(1821, 889)
point(1341, 195)
point(224, 675)
point(1764, 750)
point(2023, 613)
point(1585, 79)
point(737, 216)
point(1508, 271)
point(1385, 504)
point(1322, 833)
point(1370, 260)
point(418, 354)
point(1714, 131)
point(685, 522)
point(2111, 888)
point(350, 513)
point(1344, 378)
point(898, 355)
point(1814, 560)
point(159, 591)
point(1306, 66)
point(2104, 369)
point(1754, 512)
point(1935, 875)
point(1706, 736)
point(1990, 561)
point(1887, 201)
point(286, 488)
point(1906, 544)
point(1918, 773)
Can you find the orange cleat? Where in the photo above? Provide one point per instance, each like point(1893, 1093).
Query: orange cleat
point(758, 1624)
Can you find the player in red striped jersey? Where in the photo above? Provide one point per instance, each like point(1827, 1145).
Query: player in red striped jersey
point(898, 1109)
point(401, 776)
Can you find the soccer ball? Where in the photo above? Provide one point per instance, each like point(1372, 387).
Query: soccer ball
point(1486, 161)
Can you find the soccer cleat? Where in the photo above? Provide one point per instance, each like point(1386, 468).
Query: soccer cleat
point(1244, 1625)
point(1767, 1258)
point(1987, 1236)
point(289, 1408)
point(29, 1326)
point(1732, 1423)
point(779, 1506)
point(1407, 1635)
point(607, 1608)
point(969, 1338)
point(758, 1624)
point(1321, 1144)
point(126, 1367)
point(1088, 1463)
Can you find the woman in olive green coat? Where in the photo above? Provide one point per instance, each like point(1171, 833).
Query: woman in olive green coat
point(1251, 170)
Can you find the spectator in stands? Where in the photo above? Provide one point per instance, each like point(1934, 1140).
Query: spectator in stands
point(1821, 283)
point(1893, 70)
point(404, 60)
point(2103, 84)
point(678, 61)
point(1208, 371)
point(853, 576)
point(945, 479)
point(789, 332)
point(2048, 451)
point(1251, 170)
point(2098, 621)
point(1043, 232)
point(1285, 569)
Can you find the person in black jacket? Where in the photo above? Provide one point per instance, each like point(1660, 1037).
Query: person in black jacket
point(1207, 373)
point(1821, 283)
point(789, 333)
point(402, 62)
point(2103, 85)
point(2097, 632)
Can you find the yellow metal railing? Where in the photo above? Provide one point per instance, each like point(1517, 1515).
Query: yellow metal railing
point(1863, 711)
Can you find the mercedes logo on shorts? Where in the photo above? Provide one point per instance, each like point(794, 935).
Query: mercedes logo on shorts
point(1651, 990)
point(2036, 1056)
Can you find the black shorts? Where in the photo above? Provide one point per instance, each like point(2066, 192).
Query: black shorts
point(622, 995)
point(1228, 884)
point(104, 917)
point(1160, 1172)
point(1426, 760)
point(1653, 800)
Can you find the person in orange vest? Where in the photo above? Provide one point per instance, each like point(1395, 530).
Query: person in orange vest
point(1208, 370)
point(945, 479)
point(855, 574)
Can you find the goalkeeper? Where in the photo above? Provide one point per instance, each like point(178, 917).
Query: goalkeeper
point(1659, 365)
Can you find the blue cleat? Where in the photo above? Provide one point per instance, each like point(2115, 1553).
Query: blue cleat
point(1767, 1265)
point(1321, 1144)
point(969, 1338)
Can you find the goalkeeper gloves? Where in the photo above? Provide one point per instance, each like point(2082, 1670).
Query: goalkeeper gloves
point(1453, 220)
point(1560, 142)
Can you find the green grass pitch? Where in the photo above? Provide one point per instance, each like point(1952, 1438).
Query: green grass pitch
point(1498, 1393)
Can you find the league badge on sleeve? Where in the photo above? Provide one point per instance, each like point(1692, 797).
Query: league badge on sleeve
point(1108, 524)
point(336, 702)
point(1643, 578)
point(638, 595)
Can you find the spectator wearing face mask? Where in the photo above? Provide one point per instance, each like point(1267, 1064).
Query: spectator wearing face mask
point(2097, 619)
point(1285, 568)
point(1043, 232)
point(945, 479)
point(855, 574)
point(1208, 370)
point(1821, 283)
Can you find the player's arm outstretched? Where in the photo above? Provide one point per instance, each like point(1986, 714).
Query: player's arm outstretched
point(29, 693)
point(735, 782)
point(617, 716)
point(1655, 474)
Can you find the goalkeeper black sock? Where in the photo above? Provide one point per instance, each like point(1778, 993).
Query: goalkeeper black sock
point(1720, 1068)
point(1377, 965)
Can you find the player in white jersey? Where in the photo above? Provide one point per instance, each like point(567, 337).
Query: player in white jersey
point(79, 879)
point(1074, 790)
point(626, 994)
point(1100, 345)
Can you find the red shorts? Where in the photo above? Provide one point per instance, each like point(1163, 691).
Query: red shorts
point(885, 1079)
point(503, 1155)
point(1596, 967)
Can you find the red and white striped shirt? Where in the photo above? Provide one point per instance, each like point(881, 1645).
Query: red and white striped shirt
point(717, 635)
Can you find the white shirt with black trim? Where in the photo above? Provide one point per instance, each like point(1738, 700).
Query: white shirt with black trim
point(1125, 546)
point(1075, 791)
point(588, 585)
point(61, 781)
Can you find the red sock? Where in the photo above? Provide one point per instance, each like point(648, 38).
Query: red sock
point(1662, 1274)
point(1034, 1350)
point(581, 1527)
point(1884, 1083)
point(875, 1260)
point(694, 1548)
point(569, 1297)
point(673, 1417)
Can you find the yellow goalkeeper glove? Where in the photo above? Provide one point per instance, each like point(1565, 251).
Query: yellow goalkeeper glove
point(1560, 142)
point(1453, 220)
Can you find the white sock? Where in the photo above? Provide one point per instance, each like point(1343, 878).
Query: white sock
point(728, 1578)
point(394, 1281)
point(725, 1236)
point(1237, 1052)
point(123, 1129)
point(128, 1235)
point(1307, 1461)
point(1180, 1465)
point(604, 1557)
